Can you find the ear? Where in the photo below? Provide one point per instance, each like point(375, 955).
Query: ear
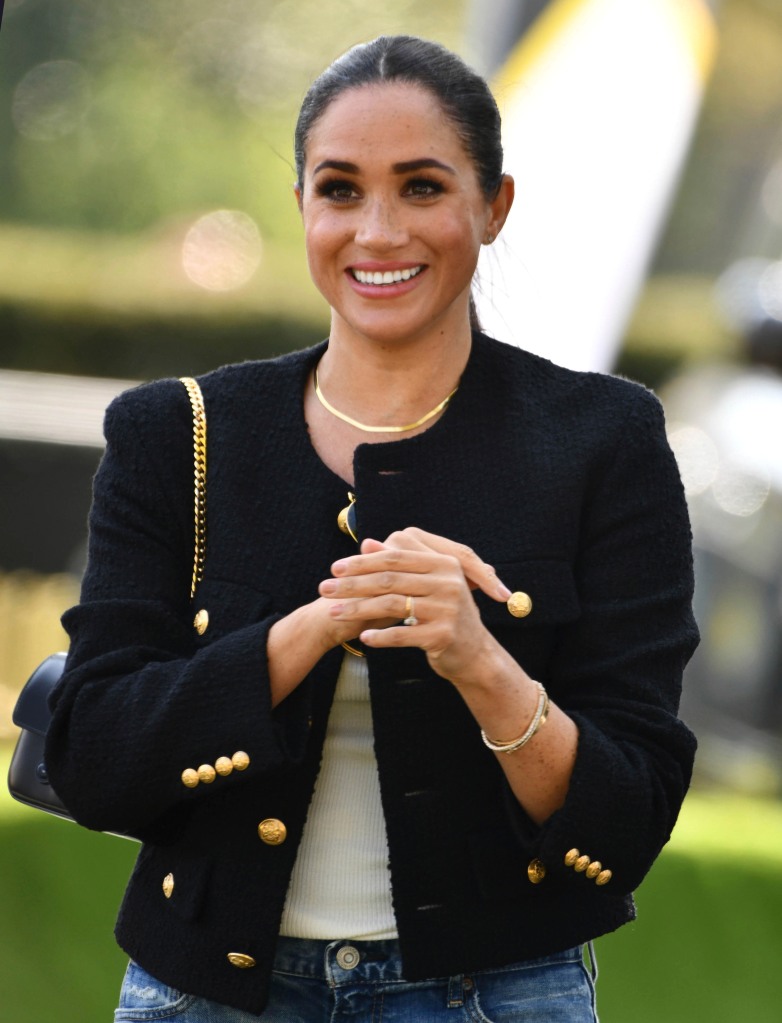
point(500, 206)
point(297, 193)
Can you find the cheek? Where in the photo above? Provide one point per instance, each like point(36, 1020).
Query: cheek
point(466, 226)
point(323, 237)
point(462, 238)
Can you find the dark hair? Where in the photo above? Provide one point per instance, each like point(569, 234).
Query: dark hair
point(463, 94)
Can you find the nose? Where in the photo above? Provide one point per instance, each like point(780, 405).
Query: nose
point(381, 226)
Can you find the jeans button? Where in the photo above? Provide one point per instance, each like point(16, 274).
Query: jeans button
point(348, 957)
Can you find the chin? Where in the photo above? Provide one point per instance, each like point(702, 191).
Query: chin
point(393, 328)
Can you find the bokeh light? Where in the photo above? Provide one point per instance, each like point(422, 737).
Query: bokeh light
point(222, 250)
point(770, 291)
point(51, 100)
point(697, 458)
point(740, 491)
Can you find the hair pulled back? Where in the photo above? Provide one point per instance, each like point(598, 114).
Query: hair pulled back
point(462, 93)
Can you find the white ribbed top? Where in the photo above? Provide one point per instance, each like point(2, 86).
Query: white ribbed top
point(341, 886)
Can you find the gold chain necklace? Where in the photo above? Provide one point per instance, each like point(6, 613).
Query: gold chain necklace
point(381, 429)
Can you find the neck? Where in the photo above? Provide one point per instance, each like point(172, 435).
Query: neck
point(390, 385)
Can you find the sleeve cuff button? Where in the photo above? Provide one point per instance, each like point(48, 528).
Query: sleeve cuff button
point(536, 871)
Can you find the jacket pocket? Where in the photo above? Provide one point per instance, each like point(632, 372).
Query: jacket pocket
point(544, 593)
point(181, 883)
point(220, 606)
point(499, 864)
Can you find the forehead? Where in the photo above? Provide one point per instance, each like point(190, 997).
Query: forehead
point(383, 118)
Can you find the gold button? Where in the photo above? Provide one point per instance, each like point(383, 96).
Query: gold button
point(594, 869)
point(272, 831)
point(519, 604)
point(571, 857)
point(536, 871)
point(224, 766)
point(241, 960)
point(240, 760)
point(190, 777)
point(168, 885)
point(581, 864)
point(603, 877)
point(201, 621)
point(206, 774)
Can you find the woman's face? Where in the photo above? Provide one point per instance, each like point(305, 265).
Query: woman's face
point(393, 214)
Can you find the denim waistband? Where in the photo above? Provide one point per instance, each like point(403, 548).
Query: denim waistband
point(340, 960)
point(349, 961)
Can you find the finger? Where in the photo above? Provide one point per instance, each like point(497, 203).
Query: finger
point(386, 559)
point(394, 636)
point(389, 608)
point(477, 572)
point(370, 546)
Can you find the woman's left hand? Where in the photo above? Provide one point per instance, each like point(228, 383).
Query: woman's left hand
point(438, 575)
point(418, 574)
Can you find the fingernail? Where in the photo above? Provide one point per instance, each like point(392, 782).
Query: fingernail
point(338, 567)
point(328, 586)
point(336, 610)
point(503, 592)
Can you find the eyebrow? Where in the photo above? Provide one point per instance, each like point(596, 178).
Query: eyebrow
point(397, 168)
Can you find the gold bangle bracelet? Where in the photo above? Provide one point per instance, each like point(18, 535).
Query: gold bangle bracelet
point(538, 720)
point(352, 650)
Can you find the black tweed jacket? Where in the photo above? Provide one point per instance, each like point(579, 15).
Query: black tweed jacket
point(562, 480)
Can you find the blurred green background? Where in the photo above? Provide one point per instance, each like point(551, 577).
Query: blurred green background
point(122, 126)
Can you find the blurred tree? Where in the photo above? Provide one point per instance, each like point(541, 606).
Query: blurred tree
point(116, 114)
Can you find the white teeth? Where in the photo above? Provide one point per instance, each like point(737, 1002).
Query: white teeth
point(387, 276)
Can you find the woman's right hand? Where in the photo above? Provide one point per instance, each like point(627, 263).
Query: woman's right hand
point(297, 642)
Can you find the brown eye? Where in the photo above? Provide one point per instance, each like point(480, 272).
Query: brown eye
point(423, 188)
point(337, 191)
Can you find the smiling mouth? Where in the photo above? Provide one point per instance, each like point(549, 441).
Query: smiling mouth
point(386, 276)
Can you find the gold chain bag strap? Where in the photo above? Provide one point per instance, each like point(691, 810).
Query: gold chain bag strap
point(199, 475)
point(28, 780)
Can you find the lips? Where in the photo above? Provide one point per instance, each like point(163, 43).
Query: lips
point(385, 277)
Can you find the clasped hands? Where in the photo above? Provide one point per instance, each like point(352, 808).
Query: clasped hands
point(368, 597)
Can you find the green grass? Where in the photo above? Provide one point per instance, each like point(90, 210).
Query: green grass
point(59, 890)
point(706, 946)
point(708, 939)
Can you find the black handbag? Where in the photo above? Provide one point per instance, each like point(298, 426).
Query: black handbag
point(28, 779)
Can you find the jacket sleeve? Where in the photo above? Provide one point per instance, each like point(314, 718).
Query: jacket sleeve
point(617, 669)
point(141, 700)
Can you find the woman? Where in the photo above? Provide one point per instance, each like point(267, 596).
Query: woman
point(501, 761)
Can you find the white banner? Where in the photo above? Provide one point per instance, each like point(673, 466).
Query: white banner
point(598, 99)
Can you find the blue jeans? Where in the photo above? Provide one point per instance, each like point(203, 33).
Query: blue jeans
point(361, 982)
